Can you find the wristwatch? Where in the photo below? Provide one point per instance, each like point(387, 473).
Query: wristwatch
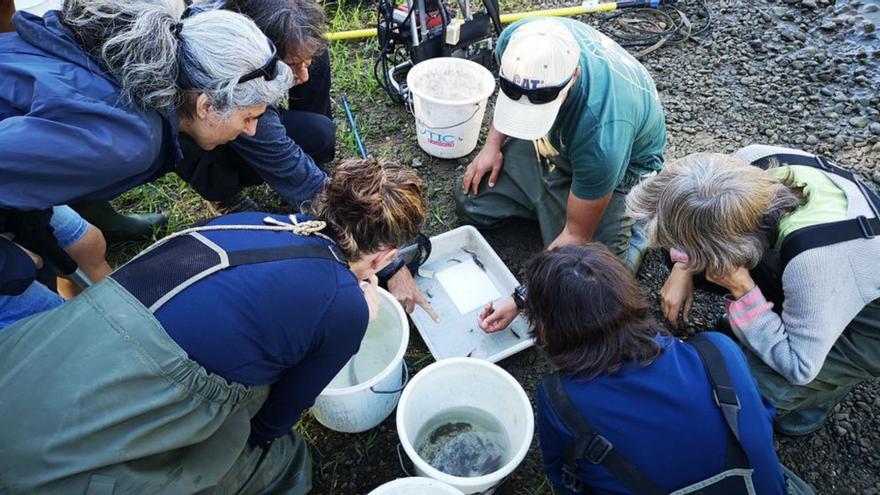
point(519, 297)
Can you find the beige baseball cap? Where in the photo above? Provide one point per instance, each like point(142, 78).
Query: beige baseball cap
point(541, 53)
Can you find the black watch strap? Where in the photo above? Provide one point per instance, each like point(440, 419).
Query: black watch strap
point(519, 297)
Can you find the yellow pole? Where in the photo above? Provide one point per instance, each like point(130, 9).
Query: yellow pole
point(505, 19)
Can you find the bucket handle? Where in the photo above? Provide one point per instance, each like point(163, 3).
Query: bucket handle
point(404, 380)
point(409, 106)
point(400, 460)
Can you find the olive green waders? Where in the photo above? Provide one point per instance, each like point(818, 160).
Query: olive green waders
point(98, 399)
point(531, 189)
point(854, 358)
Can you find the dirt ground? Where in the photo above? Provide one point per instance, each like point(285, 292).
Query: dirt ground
point(800, 73)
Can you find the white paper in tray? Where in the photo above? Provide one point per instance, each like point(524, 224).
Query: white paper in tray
point(468, 286)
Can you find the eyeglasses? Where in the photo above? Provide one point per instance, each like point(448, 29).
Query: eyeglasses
point(538, 96)
point(268, 71)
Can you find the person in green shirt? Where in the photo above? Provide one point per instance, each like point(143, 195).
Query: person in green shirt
point(577, 123)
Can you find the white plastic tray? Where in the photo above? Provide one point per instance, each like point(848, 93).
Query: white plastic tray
point(457, 334)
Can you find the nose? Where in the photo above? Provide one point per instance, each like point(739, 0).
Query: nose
point(302, 74)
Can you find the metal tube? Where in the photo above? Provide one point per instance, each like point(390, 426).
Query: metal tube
point(505, 19)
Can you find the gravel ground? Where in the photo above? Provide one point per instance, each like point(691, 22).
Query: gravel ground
point(801, 73)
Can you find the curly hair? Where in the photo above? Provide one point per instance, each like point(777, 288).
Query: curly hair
point(370, 205)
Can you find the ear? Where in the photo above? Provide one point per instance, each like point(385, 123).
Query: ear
point(383, 258)
point(203, 106)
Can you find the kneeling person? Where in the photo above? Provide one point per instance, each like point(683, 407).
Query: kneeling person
point(186, 369)
point(585, 123)
point(646, 396)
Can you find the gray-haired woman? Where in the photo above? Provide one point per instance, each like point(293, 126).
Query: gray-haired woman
point(94, 96)
point(793, 247)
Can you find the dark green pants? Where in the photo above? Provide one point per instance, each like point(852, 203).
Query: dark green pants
point(854, 358)
point(98, 399)
point(528, 188)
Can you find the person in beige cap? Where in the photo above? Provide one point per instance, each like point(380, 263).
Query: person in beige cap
point(577, 122)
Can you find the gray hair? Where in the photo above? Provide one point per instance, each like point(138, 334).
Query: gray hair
point(141, 44)
point(718, 209)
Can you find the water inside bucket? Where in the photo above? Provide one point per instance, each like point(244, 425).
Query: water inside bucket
point(464, 441)
point(378, 348)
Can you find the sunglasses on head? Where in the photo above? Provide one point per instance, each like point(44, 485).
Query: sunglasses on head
point(268, 71)
point(537, 96)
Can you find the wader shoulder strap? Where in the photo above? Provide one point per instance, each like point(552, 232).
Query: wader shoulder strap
point(589, 445)
point(725, 396)
point(825, 234)
point(158, 275)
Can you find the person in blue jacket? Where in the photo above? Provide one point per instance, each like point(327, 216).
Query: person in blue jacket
point(646, 392)
point(93, 98)
point(184, 370)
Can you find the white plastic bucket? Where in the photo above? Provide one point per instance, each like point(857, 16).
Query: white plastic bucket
point(367, 388)
point(37, 7)
point(415, 486)
point(466, 383)
point(449, 100)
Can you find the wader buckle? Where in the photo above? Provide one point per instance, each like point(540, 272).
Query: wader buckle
point(865, 225)
point(726, 396)
point(597, 450)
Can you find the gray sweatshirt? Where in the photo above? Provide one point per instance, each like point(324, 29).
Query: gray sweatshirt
point(825, 288)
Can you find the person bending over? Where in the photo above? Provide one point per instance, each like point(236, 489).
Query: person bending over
point(645, 395)
point(185, 370)
point(96, 94)
point(794, 247)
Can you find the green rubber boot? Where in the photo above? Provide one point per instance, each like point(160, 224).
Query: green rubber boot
point(117, 227)
point(236, 204)
point(803, 422)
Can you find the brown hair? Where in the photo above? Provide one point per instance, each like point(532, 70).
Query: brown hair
point(587, 311)
point(371, 204)
point(295, 26)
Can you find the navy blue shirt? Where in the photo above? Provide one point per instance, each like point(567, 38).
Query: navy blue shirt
point(662, 417)
point(292, 324)
point(279, 161)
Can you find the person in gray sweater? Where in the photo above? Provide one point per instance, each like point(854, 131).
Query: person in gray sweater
point(818, 335)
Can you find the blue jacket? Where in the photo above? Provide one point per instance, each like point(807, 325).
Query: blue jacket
point(662, 417)
point(64, 133)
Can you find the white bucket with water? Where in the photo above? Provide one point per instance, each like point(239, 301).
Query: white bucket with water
point(367, 388)
point(415, 486)
point(449, 97)
point(38, 7)
point(465, 391)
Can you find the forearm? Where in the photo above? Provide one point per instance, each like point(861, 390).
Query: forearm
point(494, 139)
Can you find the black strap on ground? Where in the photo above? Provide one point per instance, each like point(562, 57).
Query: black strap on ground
point(266, 255)
point(725, 396)
point(589, 445)
point(825, 234)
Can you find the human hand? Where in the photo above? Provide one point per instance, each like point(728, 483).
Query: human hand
point(371, 294)
point(488, 160)
point(496, 317)
point(677, 295)
point(738, 281)
point(404, 288)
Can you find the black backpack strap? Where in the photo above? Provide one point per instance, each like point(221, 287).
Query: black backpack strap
point(725, 396)
point(589, 445)
point(826, 234)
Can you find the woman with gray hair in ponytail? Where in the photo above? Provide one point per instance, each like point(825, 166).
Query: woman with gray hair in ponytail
point(93, 100)
point(795, 248)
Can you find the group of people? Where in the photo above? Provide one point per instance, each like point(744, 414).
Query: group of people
point(185, 369)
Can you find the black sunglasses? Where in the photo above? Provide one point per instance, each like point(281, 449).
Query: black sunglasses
point(537, 96)
point(268, 71)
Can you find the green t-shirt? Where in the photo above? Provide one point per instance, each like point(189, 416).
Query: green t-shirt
point(611, 120)
point(826, 202)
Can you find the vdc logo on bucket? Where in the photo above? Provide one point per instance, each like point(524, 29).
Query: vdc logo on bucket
point(443, 140)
